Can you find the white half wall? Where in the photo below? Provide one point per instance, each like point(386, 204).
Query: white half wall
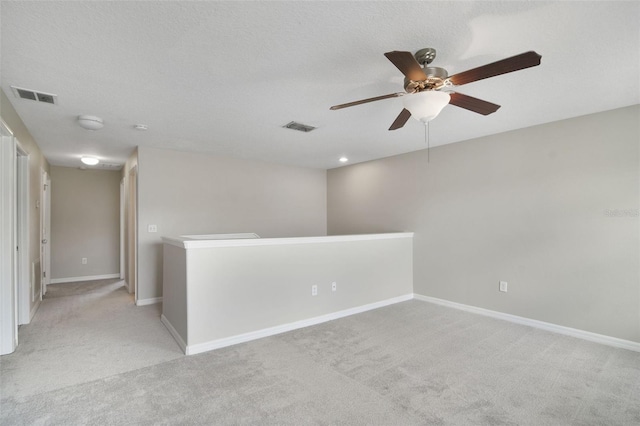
point(225, 294)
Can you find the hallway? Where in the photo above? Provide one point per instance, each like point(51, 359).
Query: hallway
point(84, 331)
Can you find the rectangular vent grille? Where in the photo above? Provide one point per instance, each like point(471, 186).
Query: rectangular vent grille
point(299, 127)
point(22, 93)
point(25, 94)
point(110, 166)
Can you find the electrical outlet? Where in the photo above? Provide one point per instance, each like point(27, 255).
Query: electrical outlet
point(334, 286)
point(84, 260)
point(314, 290)
point(152, 228)
point(503, 286)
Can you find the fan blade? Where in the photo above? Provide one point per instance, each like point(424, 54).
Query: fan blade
point(401, 119)
point(407, 65)
point(473, 104)
point(514, 63)
point(364, 101)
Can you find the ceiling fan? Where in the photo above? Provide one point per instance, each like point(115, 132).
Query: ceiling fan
point(429, 89)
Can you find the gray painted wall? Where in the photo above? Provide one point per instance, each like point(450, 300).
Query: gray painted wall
point(194, 193)
point(85, 222)
point(551, 209)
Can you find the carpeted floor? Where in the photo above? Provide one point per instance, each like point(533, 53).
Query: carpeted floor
point(91, 357)
point(82, 332)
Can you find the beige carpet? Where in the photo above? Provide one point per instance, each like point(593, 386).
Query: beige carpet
point(82, 332)
point(92, 357)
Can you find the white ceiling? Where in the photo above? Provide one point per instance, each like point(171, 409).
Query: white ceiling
point(224, 77)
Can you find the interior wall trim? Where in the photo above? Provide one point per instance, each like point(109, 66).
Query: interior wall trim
point(151, 301)
point(174, 333)
point(554, 328)
point(266, 332)
point(34, 309)
point(87, 278)
point(201, 241)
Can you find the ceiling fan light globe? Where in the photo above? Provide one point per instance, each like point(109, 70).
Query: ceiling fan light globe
point(425, 106)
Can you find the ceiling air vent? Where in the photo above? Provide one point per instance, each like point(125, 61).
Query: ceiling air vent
point(110, 166)
point(299, 127)
point(48, 98)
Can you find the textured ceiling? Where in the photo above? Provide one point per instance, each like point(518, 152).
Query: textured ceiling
point(224, 77)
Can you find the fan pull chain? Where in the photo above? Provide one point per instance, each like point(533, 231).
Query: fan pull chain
point(427, 138)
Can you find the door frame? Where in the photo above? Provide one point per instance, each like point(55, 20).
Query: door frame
point(132, 231)
point(8, 299)
point(123, 219)
point(23, 278)
point(45, 232)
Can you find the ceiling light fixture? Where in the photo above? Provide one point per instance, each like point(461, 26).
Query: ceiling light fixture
point(141, 127)
point(90, 122)
point(90, 161)
point(426, 105)
point(343, 159)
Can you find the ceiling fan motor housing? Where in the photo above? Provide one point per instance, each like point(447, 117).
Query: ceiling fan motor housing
point(436, 77)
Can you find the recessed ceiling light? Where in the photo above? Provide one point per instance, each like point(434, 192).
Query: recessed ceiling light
point(90, 161)
point(343, 159)
point(90, 122)
point(141, 127)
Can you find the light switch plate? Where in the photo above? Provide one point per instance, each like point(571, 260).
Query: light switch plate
point(153, 228)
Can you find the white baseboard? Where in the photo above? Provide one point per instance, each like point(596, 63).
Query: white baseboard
point(152, 301)
point(266, 332)
point(34, 309)
point(554, 328)
point(87, 278)
point(174, 333)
